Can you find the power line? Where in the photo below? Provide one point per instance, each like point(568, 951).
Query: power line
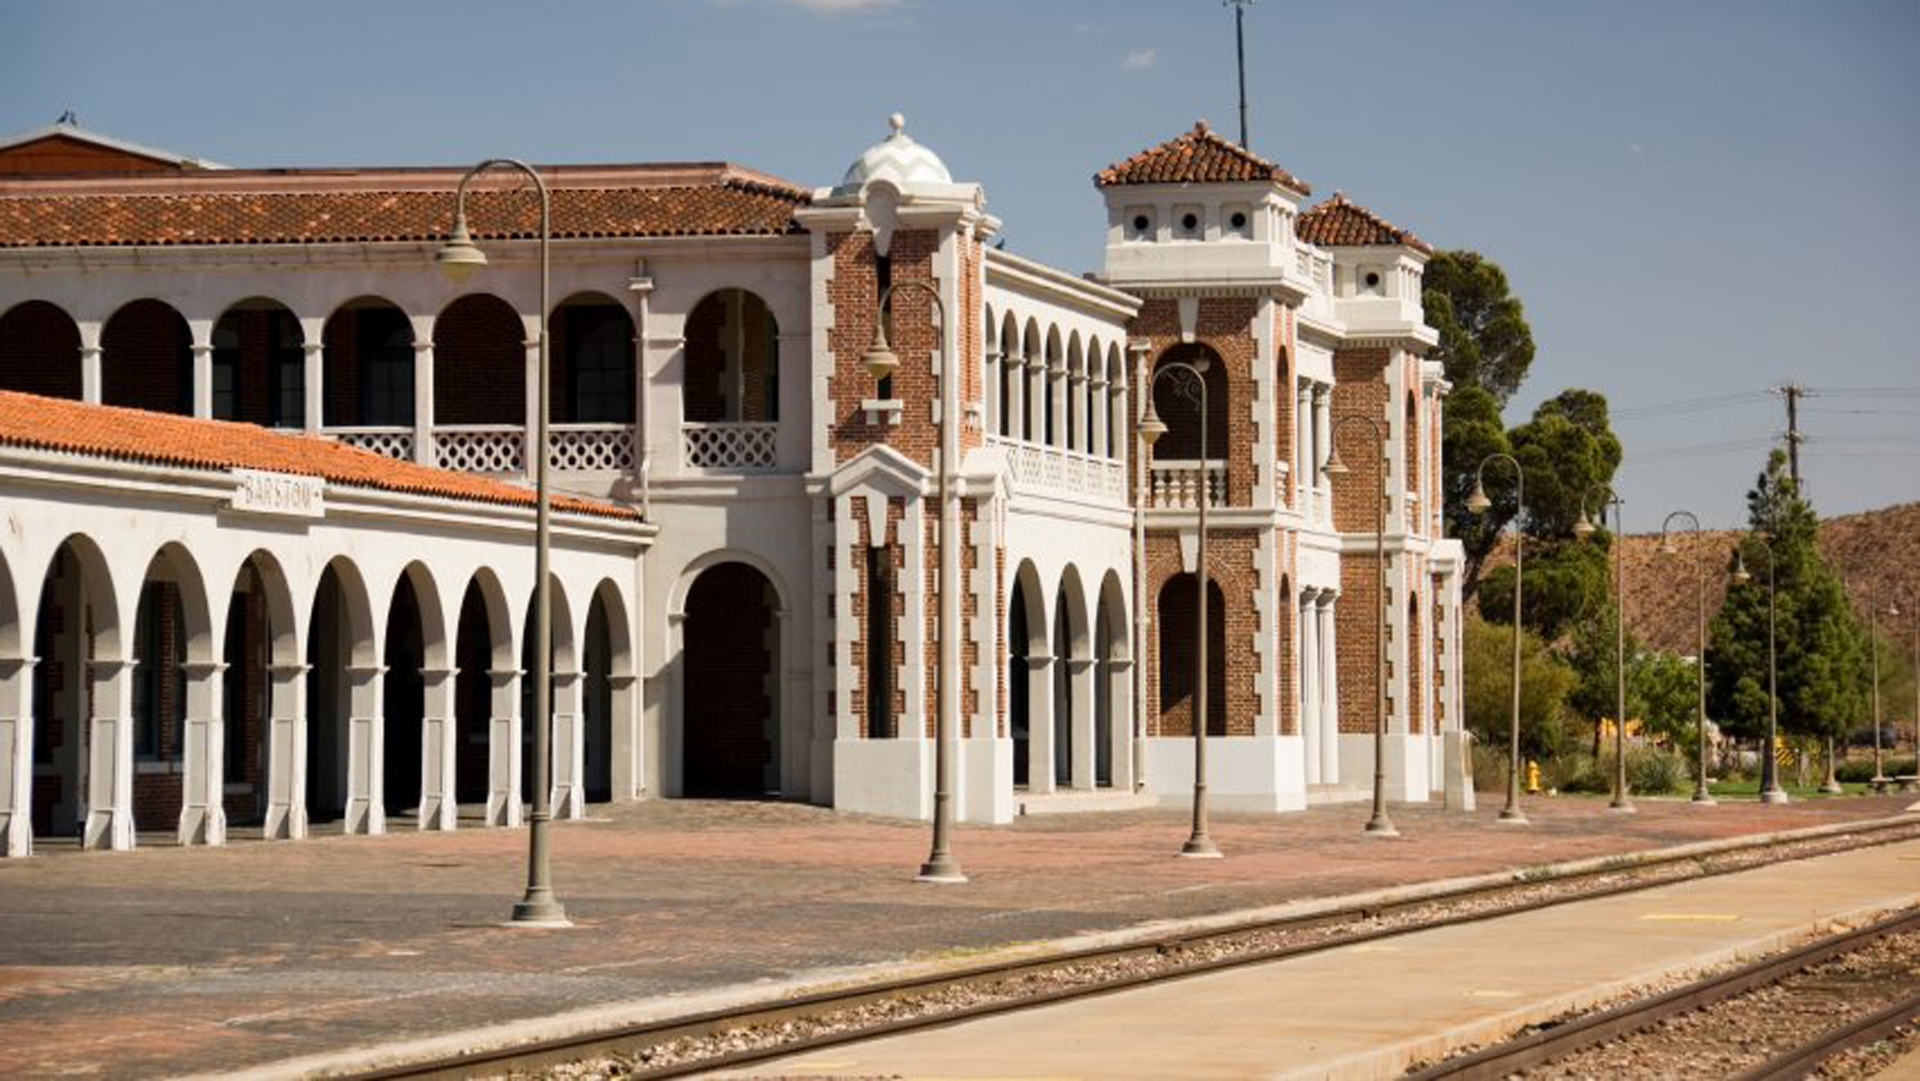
point(1690, 405)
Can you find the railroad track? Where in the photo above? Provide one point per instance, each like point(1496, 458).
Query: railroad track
point(734, 1038)
point(1563, 1041)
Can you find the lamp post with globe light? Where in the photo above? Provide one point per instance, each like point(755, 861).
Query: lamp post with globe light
point(1190, 384)
point(1770, 790)
point(881, 362)
point(458, 257)
point(1379, 825)
point(1478, 503)
point(1700, 793)
point(1621, 802)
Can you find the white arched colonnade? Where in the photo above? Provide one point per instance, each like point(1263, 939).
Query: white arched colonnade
point(84, 538)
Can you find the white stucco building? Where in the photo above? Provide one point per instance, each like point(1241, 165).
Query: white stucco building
point(310, 604)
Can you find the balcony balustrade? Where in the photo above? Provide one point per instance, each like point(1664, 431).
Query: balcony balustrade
point(1046, 470)
point(733, 445)
point(1178, 485)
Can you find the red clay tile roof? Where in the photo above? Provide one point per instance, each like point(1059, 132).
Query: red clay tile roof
point(1197, 157)
point(203, 213)
point(103, 431)
point(1341, 223)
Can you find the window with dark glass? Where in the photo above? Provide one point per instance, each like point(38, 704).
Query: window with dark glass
point(599, 365)
point(386, 368)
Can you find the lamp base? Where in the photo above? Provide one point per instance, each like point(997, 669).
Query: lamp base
point(538, 910)
point(1200, 847)
point(1513, 816)
point(1702, 799)
point(1380, 827)
point(1775, 795)
point(942, 870)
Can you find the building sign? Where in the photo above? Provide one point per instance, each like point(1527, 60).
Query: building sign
point(284, 494)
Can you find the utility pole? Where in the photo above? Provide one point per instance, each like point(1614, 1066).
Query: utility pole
point(1792, 392)
point(1240, 51)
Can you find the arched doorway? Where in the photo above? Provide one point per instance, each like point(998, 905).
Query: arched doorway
point(1030, 693)
point(339, 687)
point(730, 731)
point(61, 714)
point(1177, 624)
point(1110, 713)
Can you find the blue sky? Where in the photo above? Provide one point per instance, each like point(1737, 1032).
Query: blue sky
point(1696, 199)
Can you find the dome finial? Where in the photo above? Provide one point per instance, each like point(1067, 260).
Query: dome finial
point(897, 122)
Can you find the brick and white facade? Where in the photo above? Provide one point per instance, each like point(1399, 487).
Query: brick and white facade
point(707, 333)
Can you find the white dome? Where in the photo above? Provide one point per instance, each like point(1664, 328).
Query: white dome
point(897, 159)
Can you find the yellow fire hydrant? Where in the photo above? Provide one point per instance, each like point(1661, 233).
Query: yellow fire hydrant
point(1533, 776)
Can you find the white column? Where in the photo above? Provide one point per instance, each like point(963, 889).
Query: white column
point(203, 816)
point(1080, 695)
point(423, 450)
point(439, 735)
point(109, 781)
point(1328, 689)
point(568, 796)
point(314, 398)
point(90, 377)
point(503, 749)
point(1039, 723)
point(1305, 473)
point(286, 817)
point(202, 378)
point(1323, 445)
point(366, 750)
point(530, 434)
point(16, 757)
point(1016, 403)
point(1308, 691)
point(995, 358)
point(1119, 677)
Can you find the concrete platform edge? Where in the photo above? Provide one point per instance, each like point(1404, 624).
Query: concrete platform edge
point(640, 1011)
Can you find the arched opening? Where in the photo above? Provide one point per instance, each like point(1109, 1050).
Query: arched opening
point(1032, 424)
point(259, 365)
point(1181, 413)
point(596, 698)
point(403, 702)
point(479, 363)
point(1026, 645)
point(41, 345)
point(146, 359)
point(730, 738)
point(1416, 667)
point(337, 632)
point(1052, 378)
point(1073, 750)
point(480, 648)
point(368, 346)
point(63, 639)
point(1411, 436)
point(1012, 372)
point(593, 376)
point(1076, 386)
point(255, 616)
point(732, 360)
point(1177, 622)
point(1110, 688)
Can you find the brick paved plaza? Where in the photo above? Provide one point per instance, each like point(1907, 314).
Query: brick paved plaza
point(166, 959)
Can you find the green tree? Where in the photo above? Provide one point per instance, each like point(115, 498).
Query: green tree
point(1820, 646)
point(1471, 429)
point(1487, 688)
point(1669, 693)
point(1484, 338)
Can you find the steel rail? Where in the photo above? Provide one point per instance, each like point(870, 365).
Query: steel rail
point(1871, 1028)
point(1539, 1048)
point(637, 1037)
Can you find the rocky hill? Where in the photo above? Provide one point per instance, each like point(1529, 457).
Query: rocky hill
point(1875, 552)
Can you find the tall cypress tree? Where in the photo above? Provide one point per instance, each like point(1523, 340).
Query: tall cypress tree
point(1820, 645)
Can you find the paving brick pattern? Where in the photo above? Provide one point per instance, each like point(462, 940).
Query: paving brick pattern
point(166, 959)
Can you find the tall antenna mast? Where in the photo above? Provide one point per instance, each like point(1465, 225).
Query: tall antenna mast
point(1240, 50)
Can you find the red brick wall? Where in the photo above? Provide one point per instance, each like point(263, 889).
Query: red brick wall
point(1359, 389)
point(146, 359)
point(480, 363)
point(40, 351)
point(896, 556)
point(853, 294)
point(254, 333)
point(1224, 325)
point(1231, 555)
point(1357, 639)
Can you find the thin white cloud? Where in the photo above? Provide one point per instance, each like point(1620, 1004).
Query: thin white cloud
point(1139, 60)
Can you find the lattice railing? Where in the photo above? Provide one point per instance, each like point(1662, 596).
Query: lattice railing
point(392, 442)
point(481, 448)
point(730, 445)
point(1063, 472)
point(1178, 485)
point(590, 448)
